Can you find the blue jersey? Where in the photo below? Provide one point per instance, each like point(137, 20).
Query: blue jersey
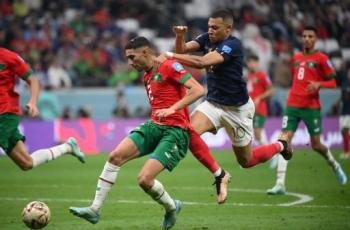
point(225, 82)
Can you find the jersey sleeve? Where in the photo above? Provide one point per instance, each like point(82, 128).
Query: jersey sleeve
point(178, 73)
point(202, 40)
point(326, 67)
point(20, 67)
point(266, 81)
point(230, 49)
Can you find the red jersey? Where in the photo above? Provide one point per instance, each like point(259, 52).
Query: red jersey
point(11, 66)
point(257, 84)
point(308, 67)
point(164, 89)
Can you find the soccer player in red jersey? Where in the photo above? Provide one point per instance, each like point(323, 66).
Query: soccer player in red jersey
point(12, 66)
point(344, 119)
point(165, 137)
point(259, 88)
point(312, 70)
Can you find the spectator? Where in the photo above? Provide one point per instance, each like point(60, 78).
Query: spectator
point(58, 76)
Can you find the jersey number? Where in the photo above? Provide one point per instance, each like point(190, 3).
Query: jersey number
point(301, 73)
point(284, 122)
point(149, 91)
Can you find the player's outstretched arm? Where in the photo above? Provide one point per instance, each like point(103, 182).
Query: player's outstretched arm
point(34, 85)
point(194, 92)
point(199, 62)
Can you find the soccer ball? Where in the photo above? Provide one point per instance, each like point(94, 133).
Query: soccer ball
point(36, 215)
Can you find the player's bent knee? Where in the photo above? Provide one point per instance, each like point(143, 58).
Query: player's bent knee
point(116, 159)
point(317, 147)
point(25, 165)
point(244, 163)
point(145, 181)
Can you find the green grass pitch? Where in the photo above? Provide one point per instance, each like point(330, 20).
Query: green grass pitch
point(65, 182)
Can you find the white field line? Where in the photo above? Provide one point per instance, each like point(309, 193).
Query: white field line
point(302, 199)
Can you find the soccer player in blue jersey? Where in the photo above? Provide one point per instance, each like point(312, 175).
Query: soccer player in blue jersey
point(227, 103)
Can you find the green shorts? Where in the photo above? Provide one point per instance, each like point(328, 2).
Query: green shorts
point(311, 117)
point(258, 121)
point(167, 144)
point(9, 133)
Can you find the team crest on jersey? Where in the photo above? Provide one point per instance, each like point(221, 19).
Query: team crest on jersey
point(157, 77)
point(311, 64)
point(2, 66)
point(178, 67)
point(226, 49)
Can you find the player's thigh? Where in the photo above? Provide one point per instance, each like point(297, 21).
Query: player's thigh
point(172, 148)
point(19, 154)
point(206, 118)
point(10, 134)
point(146, 137)
point(290, 119)
point(313, 121)
point(125, 151)
point(238, 123)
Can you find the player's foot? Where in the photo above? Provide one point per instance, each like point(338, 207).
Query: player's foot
point(344, 156)
point(170, 217)
point(287, 151)
point(274, 162)
point(86, 213)
point(221, 184)
point(76, 150)
point(278, 189)
point(341, 177)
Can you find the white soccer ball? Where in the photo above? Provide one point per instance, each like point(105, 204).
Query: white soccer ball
point(36, 215)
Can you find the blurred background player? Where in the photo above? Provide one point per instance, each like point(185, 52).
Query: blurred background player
point(312, 70)
point(259, 88)
point(12, 66)
point(227, 103)
point(344, 119)
point(165, 137)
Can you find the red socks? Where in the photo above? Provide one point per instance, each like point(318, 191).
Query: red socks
point(201, 151)
point(263, 153)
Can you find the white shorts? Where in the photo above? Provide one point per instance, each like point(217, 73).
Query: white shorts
point(344, 121)
point(238, 121)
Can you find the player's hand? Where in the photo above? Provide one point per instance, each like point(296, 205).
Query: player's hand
point(313, 86)
point(180, 30)
point(33, 111)
point(162, 113)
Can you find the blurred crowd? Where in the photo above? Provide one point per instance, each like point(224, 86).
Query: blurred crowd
point(80, 42)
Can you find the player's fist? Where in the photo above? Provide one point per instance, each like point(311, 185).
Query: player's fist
point(33, 111)
point(179, 30)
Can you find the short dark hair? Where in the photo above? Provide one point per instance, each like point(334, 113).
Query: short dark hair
point(226, 15)
point(312, 28)
point(137, 42)
point(253, 57)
